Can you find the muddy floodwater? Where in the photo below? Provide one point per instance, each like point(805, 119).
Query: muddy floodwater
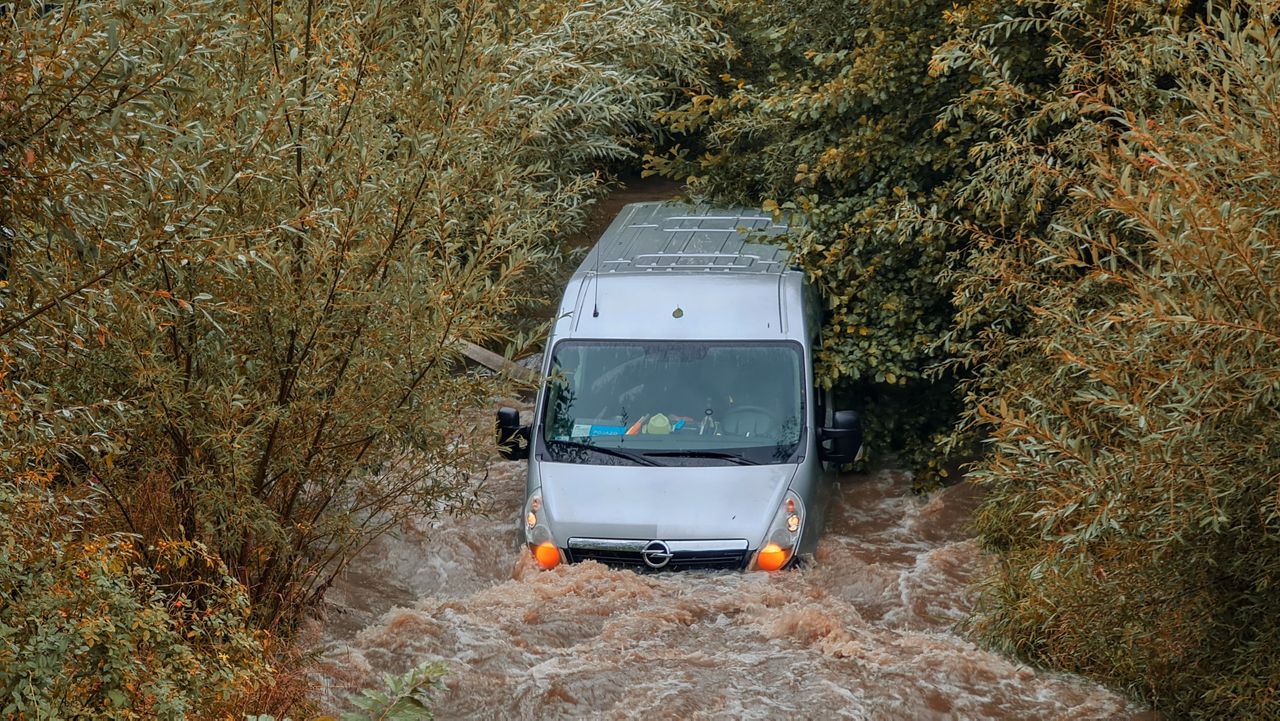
point(863, 633)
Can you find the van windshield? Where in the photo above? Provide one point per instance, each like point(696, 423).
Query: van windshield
point(673, 403)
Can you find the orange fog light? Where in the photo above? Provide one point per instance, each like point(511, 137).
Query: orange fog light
point(771, 557)
point(547, 555)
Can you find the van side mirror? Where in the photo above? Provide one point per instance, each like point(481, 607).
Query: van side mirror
point(513, 438)
point(840, 443)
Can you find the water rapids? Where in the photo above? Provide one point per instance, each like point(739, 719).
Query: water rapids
point(864, 633)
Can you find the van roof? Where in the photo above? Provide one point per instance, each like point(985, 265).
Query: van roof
point(675, 237)
point(675, 271)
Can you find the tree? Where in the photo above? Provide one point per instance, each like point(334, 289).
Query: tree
point(1131, 401)
point(828, 108)
point(248, 239)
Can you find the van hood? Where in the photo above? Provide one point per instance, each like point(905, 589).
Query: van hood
point(667, 503)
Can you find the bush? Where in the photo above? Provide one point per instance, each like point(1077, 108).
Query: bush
point(1133, 499)
point(240, 246)
point(248, 246)
point(86, 631)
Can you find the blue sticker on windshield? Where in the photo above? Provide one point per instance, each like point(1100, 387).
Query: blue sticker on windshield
point(608, 430)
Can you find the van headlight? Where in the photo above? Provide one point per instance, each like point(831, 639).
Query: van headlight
point(537, 536)
point(783, 538)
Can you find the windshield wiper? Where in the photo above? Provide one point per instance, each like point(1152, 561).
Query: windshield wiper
point(615, 452)
point(720, 455)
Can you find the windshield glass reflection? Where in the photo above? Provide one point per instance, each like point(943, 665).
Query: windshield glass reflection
point(673, 403)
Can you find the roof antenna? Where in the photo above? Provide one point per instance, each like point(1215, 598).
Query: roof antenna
point(595, 283)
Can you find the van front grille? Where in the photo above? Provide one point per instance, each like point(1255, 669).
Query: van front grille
point(684, 555)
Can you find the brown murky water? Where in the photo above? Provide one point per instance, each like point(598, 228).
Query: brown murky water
point(863, 633)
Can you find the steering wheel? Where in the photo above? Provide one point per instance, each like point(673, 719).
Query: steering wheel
point(749, 420)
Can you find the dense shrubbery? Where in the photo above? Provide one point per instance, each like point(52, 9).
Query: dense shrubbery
point(1133, 409)
point(249, 237)
point(1070, 208)
point(90, 625)
point(248, 240)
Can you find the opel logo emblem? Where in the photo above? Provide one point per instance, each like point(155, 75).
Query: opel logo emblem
point(656, 555)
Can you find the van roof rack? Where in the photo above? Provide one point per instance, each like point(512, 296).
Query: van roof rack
point(674, 237)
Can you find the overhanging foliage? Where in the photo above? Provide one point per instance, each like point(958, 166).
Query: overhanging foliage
point(249, 237)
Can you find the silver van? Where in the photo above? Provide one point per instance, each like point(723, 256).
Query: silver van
point(678, 425)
